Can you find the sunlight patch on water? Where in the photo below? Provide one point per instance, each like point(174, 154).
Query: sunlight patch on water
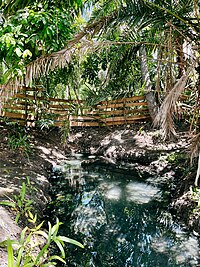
point(114, 193)
point(140, 193)
point(187, 249)
point(89, 215)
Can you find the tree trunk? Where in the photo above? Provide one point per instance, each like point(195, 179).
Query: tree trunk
point(150, 94)
point(180, 56)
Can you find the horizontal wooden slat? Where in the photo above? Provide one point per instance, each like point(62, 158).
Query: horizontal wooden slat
point(59, 111)
point(84, 124)
point(127, 121)
point(16, 108)
point(23, 96)
point(136, 117)
point(31, 97)
point(14, 115)
point(82, 118)
point(122, 100)
point(59, 106)
point(65, 100)
point(62, 118)
point(117, 112)
point(23, 88)
point(31, 89)
point(120, 105)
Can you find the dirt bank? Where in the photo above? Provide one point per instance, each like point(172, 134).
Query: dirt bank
point(46, 151)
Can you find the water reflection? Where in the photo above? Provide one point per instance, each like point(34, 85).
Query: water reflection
point(121, 222)
point(140, 192)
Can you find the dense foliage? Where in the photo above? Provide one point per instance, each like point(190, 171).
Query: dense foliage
point(31, 29)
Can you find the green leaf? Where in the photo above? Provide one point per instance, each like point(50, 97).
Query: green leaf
point(10, 253)
point(29, 265)
point(50, 232)
point(8, 203)
point(60, 246)
point(69, 240)
point(19, 256)
point(23, 191)
point(27, 53)
point(3, 244)
point(41, 233)
point(55, 257)
point(49, 264)
point(18, 51)
point(55, 229)
point(19, 203)
point(22, 237)
point(39, 226)
point(17, 217)
point(42, 252)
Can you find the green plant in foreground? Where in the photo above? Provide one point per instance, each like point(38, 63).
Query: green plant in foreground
point(19, 142)
point(25, 251)
point(45, 123)
point(21, 205)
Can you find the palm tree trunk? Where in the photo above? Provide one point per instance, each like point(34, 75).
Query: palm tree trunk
point(150, 95)
point(180, 56)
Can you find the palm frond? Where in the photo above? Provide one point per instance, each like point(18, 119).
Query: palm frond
point(195, 152)
point(8, 90)
point(61, 58)
point(165, 116)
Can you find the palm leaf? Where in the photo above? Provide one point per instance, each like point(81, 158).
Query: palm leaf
point(165, 116)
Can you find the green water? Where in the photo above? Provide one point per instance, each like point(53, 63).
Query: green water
point(121, 218)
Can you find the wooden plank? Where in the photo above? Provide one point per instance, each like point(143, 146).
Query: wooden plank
point(14, 115)
point(31, 89)
point(59, 112)
point(130, 118)
point(122, 100)
point(23, 96)
point(134, 120)
point(120, 105)
point(16, 108)
point(65, 100)
point(77, 124)
point(23, 88)
point(118, 112)
point(59, 123)
point(84, 124)
point(59, 106)
point(62, 118)
point(82, 118)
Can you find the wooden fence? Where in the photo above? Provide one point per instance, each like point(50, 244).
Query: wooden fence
point(29, 107)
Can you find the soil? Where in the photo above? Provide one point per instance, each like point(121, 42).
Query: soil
point(135, 148)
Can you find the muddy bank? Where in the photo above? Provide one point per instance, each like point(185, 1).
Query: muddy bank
point(46, 151)
point(139, 149)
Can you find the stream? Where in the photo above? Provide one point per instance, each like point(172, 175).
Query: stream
point(121, 218)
